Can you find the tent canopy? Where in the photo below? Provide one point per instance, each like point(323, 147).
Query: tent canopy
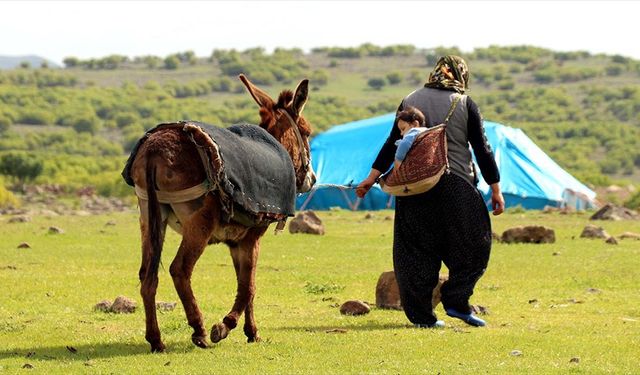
point(342, 157)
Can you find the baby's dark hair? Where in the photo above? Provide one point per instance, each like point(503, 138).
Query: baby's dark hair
point(411, 114)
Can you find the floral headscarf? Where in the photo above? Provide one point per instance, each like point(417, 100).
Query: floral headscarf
point(450, 73)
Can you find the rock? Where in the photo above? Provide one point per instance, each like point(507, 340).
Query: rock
point(496, 237)
point(516, 353)
point(24, 245)
point(104, 306)
point(388, 294)
point(592, 231)
point(479, 310)
point(165, 306)
point(368, 216)
point(529, 234)
point(613, 189)
point(612, 212)
point(55, 230)
point(123, 305)
point(611, 240)
point(306, 222)
point(630, 236)
point(574, 360)
point(388, 218)
point(20, 219)
point(354, 308)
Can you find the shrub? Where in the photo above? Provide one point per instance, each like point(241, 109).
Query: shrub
point(20, 165)
point(319, 78)
point(86, 124)
point(171, 62)
point(7, 199)
point(394, 78)
point(376, 83)
point(633, 202)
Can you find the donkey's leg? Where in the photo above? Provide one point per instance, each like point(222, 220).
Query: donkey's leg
point(250, 328)
point(149, 282)
point(196, 231)
point(245, 258)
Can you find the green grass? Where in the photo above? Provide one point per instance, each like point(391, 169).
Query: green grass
point(49, 292)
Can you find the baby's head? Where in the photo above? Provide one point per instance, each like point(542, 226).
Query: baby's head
point(408, 118)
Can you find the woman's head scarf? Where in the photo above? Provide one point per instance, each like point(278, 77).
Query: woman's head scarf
point(450, 73)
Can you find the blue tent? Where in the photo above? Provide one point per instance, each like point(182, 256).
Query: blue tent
point(342, 157)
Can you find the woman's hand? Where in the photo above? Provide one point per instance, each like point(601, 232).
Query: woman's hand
point(364, 187)
point(367, 183)
point(497, 200)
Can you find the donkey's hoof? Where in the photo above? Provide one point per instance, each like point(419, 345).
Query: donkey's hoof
point(157, 347)
point(255, 338)
point(219, 332)
point(200, 341)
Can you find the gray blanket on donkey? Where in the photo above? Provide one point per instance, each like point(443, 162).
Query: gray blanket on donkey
point(257, 171)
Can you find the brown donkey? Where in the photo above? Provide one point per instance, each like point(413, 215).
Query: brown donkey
point(168, 169)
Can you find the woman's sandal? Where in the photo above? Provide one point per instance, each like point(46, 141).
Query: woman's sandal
point(470, 319)
point(437, 324)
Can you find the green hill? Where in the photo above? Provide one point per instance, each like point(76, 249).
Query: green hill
point(583, 109)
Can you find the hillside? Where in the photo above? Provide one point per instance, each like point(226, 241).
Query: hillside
point(583, 109)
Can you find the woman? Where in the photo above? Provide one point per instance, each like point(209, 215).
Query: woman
point(450, 222)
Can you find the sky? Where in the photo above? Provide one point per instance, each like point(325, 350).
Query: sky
point(86, 29)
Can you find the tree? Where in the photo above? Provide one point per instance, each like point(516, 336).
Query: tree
point(171, 62)
point(71, 62)
point(376, 83)
point(394, 78)
point(22, 166)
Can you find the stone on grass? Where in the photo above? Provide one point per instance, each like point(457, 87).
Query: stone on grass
point(104, 306)
point(593, 231)
point(20, 219)
point(388, 294)
point(123, 305)
point(55, 230)
point(611, 240)
point(24, 245)
point(613, 212)
point(529, 234)
point(306, 222)
point(354, 307)
point(165, 306)
point(630, 236)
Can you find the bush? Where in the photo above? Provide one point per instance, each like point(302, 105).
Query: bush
point(86, 124)
point(394, 78)
point(22, 166)
point(171, 62)
point(633, 202)
point(5, 123)
point(376, 83)
point(7, 199)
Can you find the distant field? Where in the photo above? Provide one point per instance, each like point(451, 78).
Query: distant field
point(576, 299)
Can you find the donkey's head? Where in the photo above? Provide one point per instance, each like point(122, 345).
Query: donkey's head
point(284, 121)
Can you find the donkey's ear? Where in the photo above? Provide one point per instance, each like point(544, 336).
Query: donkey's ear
point(300, 96)
point(262, 98)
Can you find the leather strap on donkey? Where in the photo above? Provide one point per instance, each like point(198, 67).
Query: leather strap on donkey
point(251, 173)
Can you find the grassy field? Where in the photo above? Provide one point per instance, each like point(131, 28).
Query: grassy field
point(576, 299)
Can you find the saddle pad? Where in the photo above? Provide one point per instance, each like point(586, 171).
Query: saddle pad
point(256, 170)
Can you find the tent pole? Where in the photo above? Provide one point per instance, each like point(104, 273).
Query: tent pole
point(306, 201)
point(346, 198)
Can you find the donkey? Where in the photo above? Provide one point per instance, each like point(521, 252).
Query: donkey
point(168, 162)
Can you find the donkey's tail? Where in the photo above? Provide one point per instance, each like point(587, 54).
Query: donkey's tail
point(155, 235)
